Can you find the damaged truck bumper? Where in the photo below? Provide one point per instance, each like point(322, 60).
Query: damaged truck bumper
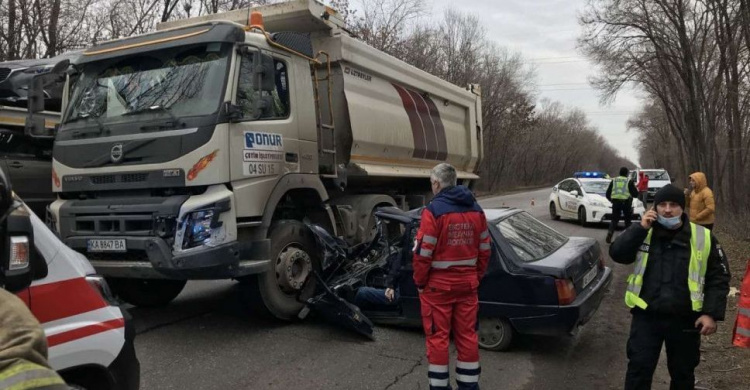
point(157, 261)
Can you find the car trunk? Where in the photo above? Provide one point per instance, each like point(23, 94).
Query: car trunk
point(577, 260)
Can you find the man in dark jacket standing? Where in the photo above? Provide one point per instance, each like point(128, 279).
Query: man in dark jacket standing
point(620, 192)
point(450, 257)
point(677, 292)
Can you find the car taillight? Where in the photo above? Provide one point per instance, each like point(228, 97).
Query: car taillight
point(566, 291)
point(99, 284)
point(601, 262)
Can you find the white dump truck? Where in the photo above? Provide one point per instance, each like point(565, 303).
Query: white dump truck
point(201, 150)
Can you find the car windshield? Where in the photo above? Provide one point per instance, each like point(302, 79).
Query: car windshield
point(595, 187)
point(183, 81)
point(657, 175)
point(529, 238)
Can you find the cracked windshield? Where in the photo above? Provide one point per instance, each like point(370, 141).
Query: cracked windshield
point(174, 81)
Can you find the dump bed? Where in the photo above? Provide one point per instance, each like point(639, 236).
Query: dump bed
point(391, 119)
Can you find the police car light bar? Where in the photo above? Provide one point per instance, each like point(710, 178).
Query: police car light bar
point(589, 175)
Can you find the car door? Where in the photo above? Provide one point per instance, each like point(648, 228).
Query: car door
point(29, 162)
point(409, 300)
point(568, 202)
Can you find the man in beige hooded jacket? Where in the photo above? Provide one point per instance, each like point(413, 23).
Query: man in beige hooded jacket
point(23, 349)
point(700, 201)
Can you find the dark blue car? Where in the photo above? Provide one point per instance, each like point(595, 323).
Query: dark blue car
point(538, 281)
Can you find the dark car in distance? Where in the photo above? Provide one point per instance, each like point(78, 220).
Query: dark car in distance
point(538, 281)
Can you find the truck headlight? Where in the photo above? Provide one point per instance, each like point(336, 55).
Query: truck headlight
point(199, 226)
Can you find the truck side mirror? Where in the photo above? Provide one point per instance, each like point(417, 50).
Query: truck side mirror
point(35, 124)
point(263, 68)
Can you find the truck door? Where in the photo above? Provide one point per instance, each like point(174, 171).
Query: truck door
point(29, 163)
point(266, 138)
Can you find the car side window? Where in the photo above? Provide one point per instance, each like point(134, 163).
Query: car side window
point(566, 186)
point(277, 104)
point(17, 145)
point(575, 187)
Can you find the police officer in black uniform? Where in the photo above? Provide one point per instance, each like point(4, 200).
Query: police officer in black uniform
point(677, 292)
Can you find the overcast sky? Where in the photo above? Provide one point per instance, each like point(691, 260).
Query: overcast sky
point(545, 32)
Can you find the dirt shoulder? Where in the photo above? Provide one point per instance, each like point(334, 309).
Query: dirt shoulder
point(722, 365)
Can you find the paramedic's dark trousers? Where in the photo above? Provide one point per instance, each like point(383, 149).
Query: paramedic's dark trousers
point(648, 333)
point(618, 208)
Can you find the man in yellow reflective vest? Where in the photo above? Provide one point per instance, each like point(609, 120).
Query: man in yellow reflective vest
point(23, 349)
point(620, 192)
point(677, 291)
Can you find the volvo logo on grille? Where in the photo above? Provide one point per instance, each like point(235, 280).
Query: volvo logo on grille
point(116, 153)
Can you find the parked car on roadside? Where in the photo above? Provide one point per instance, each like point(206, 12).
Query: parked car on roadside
point(584, 200)
point(538, 281)
point(657, 178)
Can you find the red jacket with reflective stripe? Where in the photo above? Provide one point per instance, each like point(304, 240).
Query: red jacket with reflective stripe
point(742, 326)
point(453, 243)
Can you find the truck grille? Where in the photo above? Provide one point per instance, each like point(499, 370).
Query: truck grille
point(131, 255)
point(121, 178)
point(4, 73)
point(142, 224)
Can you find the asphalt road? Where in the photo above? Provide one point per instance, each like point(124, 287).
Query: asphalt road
point(208, 339)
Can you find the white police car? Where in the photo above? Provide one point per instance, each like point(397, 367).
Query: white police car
point(583, 197)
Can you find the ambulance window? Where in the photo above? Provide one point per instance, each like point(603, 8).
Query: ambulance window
point(263, 104)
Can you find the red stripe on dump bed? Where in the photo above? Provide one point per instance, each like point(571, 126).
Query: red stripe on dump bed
point(417, 129)
point(442, 143)
point(86, 331)
point(66, 298)
point(427, 125)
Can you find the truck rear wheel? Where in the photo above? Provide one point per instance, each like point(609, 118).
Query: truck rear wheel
point(281, 290)
point(146, 292)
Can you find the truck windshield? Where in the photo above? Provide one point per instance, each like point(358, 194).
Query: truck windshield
point(183, 81)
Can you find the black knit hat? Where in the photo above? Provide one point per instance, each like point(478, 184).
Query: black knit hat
point(670, 193)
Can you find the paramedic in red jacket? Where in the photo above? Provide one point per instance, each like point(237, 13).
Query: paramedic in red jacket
point(450, 257)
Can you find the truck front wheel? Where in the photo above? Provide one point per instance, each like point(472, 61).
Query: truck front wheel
point(282, 289)
point(146, 292)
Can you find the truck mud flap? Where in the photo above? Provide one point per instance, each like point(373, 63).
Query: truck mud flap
point(338, 311)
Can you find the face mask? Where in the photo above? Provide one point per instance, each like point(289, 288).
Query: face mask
point(669, 223)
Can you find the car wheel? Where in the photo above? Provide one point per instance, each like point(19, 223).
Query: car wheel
point(281, 291)
point(146, 292)
point(582, 217)
point(495, 334)
point(553, 211)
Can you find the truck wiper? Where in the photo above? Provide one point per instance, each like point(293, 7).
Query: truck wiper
point(158, 107)
point(100, 125)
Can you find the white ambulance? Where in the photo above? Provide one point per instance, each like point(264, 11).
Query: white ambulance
point(90, 338)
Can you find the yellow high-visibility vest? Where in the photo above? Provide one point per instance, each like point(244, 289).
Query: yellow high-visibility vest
point(700, 249)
